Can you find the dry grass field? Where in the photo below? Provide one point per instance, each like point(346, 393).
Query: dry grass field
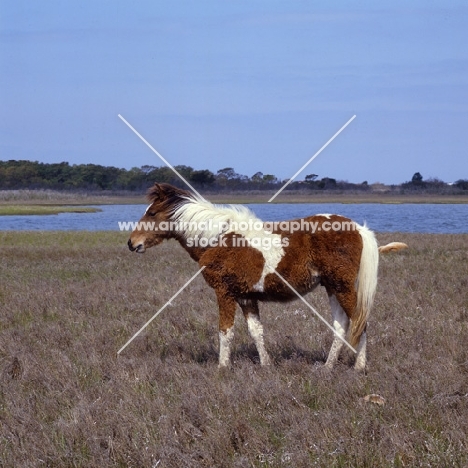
point(69, 301)
point(13, 210)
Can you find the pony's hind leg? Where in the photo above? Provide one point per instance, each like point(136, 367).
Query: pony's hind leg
point(340, 324)
point(360, 364)
point(227, 311)
point(252, 315)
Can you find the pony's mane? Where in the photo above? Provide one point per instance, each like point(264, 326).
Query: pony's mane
point(169, 198)
point(196, 217)
point(205, 219)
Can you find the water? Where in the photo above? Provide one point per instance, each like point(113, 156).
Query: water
point(434, 218)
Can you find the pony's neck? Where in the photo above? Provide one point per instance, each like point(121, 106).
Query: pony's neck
point(194, 252)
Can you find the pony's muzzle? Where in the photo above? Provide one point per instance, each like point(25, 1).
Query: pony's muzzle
point(140, 248)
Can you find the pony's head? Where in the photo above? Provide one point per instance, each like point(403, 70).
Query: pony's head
point(153, 227)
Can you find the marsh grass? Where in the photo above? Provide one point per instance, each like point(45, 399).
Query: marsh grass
point(10, 210)
point(55, 197)
point(70, 300)
point(69, 198)
point(333, 196)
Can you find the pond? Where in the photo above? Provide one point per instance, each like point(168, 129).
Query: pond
point(424, 218)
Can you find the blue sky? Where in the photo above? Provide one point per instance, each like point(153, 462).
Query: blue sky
point(256, 85)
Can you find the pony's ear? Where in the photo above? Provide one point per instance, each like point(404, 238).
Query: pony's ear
point(154, 193)
point(164, 192)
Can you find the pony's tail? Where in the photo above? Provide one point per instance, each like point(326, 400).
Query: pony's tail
point(392, 247)
point(366, 284)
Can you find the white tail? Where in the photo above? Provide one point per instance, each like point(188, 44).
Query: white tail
point(366, 283)
point(392, 247)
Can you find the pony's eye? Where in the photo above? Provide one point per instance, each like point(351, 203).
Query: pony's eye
point(151, 213)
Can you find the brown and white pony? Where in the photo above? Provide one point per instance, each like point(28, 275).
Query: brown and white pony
point(240, 264)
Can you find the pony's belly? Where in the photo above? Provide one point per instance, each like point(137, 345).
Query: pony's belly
point(275, 289)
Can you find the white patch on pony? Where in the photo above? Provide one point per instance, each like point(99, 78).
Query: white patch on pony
point(204, 219)
point(256, 332)
point(325, 215)
point(272, 258)
point(225, 340)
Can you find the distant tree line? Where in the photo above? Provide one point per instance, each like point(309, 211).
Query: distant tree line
point(435, 185)
point(18, 174)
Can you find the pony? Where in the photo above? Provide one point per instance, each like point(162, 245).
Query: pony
point(246, 261)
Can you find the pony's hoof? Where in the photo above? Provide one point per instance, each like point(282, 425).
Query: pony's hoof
point(265, 362)
point(360, 370)
point(225, 371)
point(323, 370)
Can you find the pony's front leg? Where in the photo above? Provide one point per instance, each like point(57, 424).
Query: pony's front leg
point(252, 315)
point(227, 312)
